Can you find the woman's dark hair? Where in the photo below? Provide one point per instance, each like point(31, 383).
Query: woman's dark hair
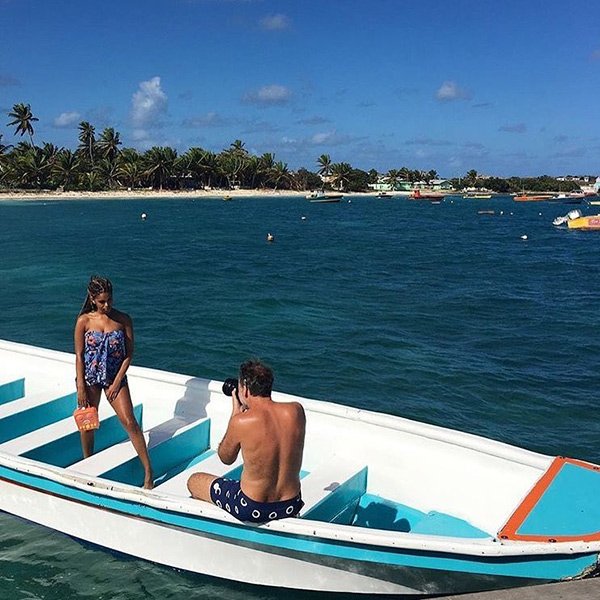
point(97, 285)
point(257, 377)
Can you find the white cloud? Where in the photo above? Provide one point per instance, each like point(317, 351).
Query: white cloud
point(140, 135)
point(450, 90)
point(275, 22)
point(269, 95)
point(322, 138)
point(333, 138)
point(67, 119)
point(148, 104)
point(210, 119)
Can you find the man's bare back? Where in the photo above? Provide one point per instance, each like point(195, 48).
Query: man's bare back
point(270, 436)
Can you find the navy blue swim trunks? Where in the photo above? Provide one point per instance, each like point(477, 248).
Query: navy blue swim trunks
point(227, 494)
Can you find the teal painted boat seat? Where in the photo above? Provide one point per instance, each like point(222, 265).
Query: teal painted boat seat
point(12, 390)
point(31, 413)
point(207, 462)
point(59, 443)
point(169, 446)
point(375, 512)
point(331, 492)
point(435, 523)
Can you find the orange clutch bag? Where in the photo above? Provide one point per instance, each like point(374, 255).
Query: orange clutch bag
point(86, 418)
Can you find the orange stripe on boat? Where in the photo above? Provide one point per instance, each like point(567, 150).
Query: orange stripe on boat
point(516, 520)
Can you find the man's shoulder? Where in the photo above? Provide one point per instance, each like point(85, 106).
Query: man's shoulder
point(291, 408)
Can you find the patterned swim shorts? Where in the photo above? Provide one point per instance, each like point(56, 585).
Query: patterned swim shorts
point(227, 494)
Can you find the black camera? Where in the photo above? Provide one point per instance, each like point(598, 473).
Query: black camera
point(229, 385)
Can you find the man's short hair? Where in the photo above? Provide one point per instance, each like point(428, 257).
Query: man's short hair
point(257, 377)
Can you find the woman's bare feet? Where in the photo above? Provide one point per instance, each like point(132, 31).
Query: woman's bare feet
point(149, 481)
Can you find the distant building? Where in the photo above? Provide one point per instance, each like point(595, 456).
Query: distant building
point(401, 185)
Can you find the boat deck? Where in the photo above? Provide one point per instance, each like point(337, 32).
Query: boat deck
point(335, 491)
point(563, 506)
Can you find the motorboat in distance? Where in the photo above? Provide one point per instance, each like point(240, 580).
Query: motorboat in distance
point(324, 197)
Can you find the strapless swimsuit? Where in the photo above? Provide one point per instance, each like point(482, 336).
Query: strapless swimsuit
point(104, 354)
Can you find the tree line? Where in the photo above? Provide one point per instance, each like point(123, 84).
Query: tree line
point(101, 163)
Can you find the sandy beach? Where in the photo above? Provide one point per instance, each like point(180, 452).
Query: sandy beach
point(145, 194)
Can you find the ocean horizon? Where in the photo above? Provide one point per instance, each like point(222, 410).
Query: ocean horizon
point(484, 323)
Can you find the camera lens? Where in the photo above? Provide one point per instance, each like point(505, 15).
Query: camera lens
point(229, 385)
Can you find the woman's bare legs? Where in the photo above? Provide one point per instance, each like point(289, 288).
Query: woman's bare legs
point(123, 406)
point(87, 437)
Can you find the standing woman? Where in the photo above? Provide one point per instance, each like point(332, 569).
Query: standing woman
point(103, 353)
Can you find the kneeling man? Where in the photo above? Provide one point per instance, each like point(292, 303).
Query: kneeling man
point(270, 436)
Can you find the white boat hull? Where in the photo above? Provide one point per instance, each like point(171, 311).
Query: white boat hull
point(450, 495)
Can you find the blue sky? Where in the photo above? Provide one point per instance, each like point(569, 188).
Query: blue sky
point(505, 87)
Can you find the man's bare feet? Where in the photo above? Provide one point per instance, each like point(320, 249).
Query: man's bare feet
point(148, 482)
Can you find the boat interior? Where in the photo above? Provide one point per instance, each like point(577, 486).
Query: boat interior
point(183, 418)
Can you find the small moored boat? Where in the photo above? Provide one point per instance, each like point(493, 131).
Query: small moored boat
point(589, 223)
point(427, 195)
point(575, 219)
point(532, 197)
point(324, 197)
point(392, 506)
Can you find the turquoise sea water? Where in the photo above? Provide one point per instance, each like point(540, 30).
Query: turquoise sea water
point(432, 312)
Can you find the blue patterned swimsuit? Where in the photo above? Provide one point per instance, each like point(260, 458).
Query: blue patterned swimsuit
point(103, 356)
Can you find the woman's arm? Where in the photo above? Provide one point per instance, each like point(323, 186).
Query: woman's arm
point(79, 339)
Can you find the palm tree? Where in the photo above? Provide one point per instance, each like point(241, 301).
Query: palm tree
point(324, 162)
point(341, 174)
point(234, 163)
point(108, 172)
point(92, 180)
point(264, 168)
point(280, 174)
point(23, 119)
point(87, 140)
point(237, 147)
point(210, 167)
point(65, 169)
point(471, 178)
point(160, 165)
point(431, 175)
point(393, 175)
point(130, 172)
point(108, 144)
point(32, 166)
